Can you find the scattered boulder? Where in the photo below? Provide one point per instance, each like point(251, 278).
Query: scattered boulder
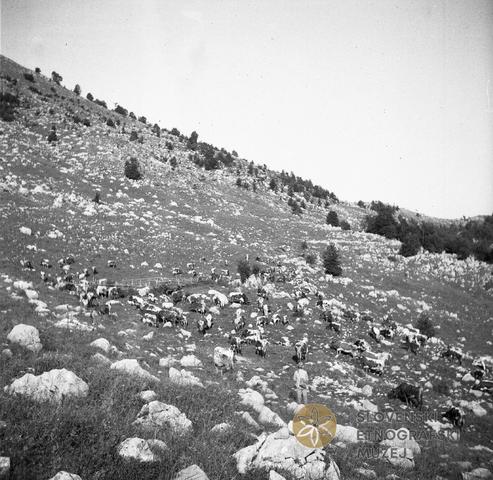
point(102, 344)
point(251, 398)
point(100, 358)
point(156, 415)
point(184, 378)
point(4, 468)
point(192, 472)
point(62, 475)
point(221, 428)
point(137, 449)
point(190, 361)
point(148, 395)
point(52, 386)
point(26, 336)
point(477, 474)
point(269, 418)
point(347, 434)
point(281, 452)
point(132, 367)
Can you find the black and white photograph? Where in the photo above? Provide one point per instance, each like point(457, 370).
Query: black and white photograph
point(246, 240)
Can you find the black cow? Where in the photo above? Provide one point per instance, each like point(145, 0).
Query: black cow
point(409, 394)
point(455, 416)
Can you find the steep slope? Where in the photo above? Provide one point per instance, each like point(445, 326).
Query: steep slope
point(184, 214)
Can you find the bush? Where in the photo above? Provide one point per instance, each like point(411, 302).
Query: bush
point(304, 245)
point(90, 97)
point(425, 325)
point(330, 258)
point(143, 119)
point(170, 146)
point(110, 122)
point(345, 225)
point(121, 111)
point(132, 116)
point(311, 259)
point(410, 246)
point(8, 103)
point(296, 208)
point(101, 103)
point(175, 132)
point(77, 89)
point(332, 219)
point(86, 122)
point(56, 77)
point(173, 162)
point(29, 77)
point(238, 182)
point(97, 197)
point(52, 137)
point(244, 269)
point(192, 141)
point(133, 136)
point(132, 169)
point(156, 130)
point(37, 70)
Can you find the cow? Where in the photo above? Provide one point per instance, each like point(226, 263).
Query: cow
point(261, 347)
point(251, 336)
point(410, 394)
point(455, 416)
point(177, 271)
point(238, 297)
point(198, 306)
point(66, 261)
point(102, 291)
point(301, 350)
point(111, 263)
point(218, 298)
point(453, 353)
point(375, 334)
point(46, 263)
point(235, 344)
point(336, 326)
point(261, 321)
point(411, 343)
point(374, 362)
point(361, 345)
point(27, 265)
point(191, 266)
point(343, 347)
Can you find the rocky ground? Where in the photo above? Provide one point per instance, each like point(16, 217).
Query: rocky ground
point(108, 396)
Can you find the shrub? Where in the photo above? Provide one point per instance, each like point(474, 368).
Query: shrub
point(425, 325)
point(8, 103)
point(77, 119)
point(77, 89)
point(29, 77)
point(90, 97)
point(169, 145)
point(238, 182)
point(110, 122)
point(132, 169)
point(361, 204)
point(311, 258)
point(410, 246)
point(156, 130)
point(121, 111)
point(332, 219)
point(345, 225)
point(442, 387)
point(97, 197)
point(34, 90)
point(101, 103)
point(133, 136)
point(234, 153)
point(37, 70)
point(86, 122)
point(132, 116)
point(296, 209)
point(244, 269)
point(143, 119)
point(52, 137)
point(173, 162)
point(192, 141)
point(175, 132)
point(56, 77)
point(330, 258)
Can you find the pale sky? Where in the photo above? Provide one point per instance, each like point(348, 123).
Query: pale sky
point(373, 99)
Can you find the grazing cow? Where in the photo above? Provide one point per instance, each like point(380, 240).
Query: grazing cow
point(453, 353)
point(223, 359)
point(224, 272)
point(343, 347)
point(455, 416)
point(219, 298)
point(301, 304)
point(375, 334)
point(251, 336)
point(111, 263)
point(361, 345)
point(177, 271)
point(409, 394)
point(177, 296)
point(27, 265)
point(66, 261)
point(484, 386)
point(46, 263)
point(238, 297)
point(45, 277)
point(374, 362)
point(301, 350)
point(389, 332)
point(235, 344)
point(198, 306)
point(261, 321)
point(261, 347)
point(411, 343)
point(265, 310)
point(336, 326)
point(102, 291)
point(191, 266)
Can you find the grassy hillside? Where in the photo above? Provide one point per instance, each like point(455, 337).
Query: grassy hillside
point(176, 215)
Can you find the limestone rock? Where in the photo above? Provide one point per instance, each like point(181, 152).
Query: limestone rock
point(192, 472)
point(137, 449)
point(62, 475)
point(26, 336)
point(132, 367)
point(184, 378)
point(157, 415)
point(54, 386)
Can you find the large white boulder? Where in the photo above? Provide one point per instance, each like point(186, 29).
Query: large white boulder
point(347, 434)
point(62, 475)
point(184, 378)
point(251, 398)
point(268, 418)
point(132, 367)
point(192, 472)
point(157, 415)
point(102, 344)
point(190, 361)
point(52, 386)
point(281, 452)
point(26, 336)
point(137, 449)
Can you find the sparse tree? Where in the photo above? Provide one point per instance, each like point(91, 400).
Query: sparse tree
point(192, 141)
point(132, 169)
point(332, 219)
point(77, 89)
point(425, 325)
point(90, 97)
point(244, 269)
point(331, 261)
point(56, 77)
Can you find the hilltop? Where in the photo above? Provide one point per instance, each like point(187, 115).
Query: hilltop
point(180, 213)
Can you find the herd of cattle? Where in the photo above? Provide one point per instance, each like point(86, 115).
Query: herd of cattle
point(173, 306)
